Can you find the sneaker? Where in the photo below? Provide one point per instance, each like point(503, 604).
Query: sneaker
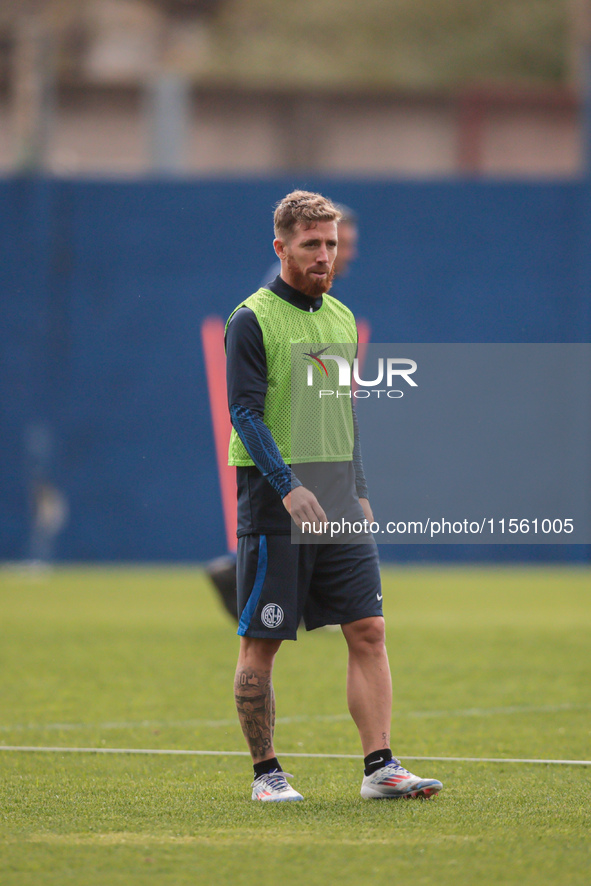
point(393, 780)
point(273, 786)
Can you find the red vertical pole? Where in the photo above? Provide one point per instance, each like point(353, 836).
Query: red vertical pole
point(212, 336)
point(363, 336)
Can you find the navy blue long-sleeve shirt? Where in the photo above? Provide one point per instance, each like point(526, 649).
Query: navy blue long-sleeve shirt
point(337, 485)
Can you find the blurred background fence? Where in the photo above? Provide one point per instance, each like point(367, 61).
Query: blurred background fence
point(106, 448)
point(107, 284)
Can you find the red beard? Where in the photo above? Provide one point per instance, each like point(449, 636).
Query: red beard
point(310, 286)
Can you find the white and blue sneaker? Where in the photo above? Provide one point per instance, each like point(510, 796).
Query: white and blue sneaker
point(393, 780)
point(273, 786)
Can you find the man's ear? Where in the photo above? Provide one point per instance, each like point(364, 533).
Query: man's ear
point(279, 247)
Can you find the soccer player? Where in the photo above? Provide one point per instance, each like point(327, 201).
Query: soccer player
point(222, 570)
point(279, 581)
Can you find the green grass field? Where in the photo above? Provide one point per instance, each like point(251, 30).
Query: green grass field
point(486, 663)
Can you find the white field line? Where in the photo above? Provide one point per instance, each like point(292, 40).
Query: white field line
point(195, 753)
point(303, 718)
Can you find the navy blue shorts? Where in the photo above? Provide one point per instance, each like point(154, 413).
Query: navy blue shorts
point(280, 582)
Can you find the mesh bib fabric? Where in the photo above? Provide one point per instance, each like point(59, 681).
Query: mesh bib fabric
point(305, 426)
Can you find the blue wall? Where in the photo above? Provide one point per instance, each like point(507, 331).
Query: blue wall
point(104, 286)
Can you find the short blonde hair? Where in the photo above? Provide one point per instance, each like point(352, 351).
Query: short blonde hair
point(303, 207)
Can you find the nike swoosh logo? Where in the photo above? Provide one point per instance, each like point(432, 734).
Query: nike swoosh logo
point(380, 596)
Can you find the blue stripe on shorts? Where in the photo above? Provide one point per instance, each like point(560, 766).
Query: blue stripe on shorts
point(255, 594)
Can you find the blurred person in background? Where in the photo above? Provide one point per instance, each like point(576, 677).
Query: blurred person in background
point(49, 517)
point(222, 570)
point(49, 508)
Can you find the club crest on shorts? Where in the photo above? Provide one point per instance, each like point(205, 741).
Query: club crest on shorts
point(272, 615)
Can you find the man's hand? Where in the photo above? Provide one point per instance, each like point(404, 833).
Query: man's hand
point(364, 502)
point(305, 507)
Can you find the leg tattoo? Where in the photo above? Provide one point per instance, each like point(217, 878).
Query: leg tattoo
point(255, 702)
